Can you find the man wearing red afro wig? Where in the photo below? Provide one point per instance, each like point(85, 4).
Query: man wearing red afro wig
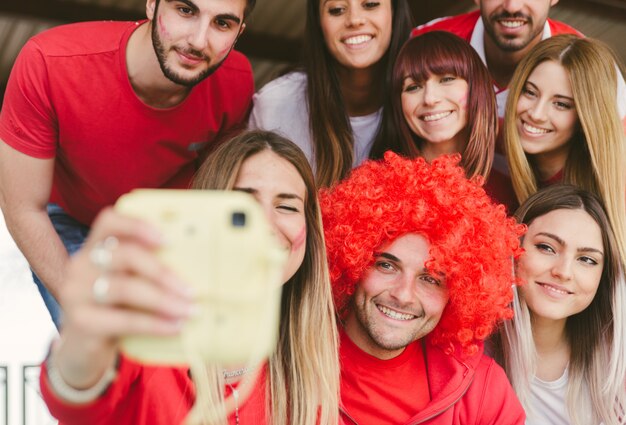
point(421, 267)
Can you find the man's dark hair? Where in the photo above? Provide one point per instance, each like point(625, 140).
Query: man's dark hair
point(249, 7)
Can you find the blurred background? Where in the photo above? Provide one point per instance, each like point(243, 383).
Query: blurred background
point(274, 31)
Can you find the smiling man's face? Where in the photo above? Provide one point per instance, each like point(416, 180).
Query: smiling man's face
point(513, 25)
point(398, 301)
point(192, 38)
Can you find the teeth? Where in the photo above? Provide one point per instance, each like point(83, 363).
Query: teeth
point(512, 24)
point(394, 314)
point(357, 39)
point(534, 130)
point(553, 289)
point(436, 117)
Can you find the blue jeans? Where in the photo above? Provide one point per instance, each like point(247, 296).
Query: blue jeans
point(72, 234)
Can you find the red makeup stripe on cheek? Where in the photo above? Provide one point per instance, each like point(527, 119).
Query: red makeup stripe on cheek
point(162, 28)
point(463, 100)
point(299, 240)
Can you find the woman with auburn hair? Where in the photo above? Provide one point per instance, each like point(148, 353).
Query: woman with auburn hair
point(336, 107)
point(443, 103)
point(299, 384)
point(562, 124)
point(564, 351)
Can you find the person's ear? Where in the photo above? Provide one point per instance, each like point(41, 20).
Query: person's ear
point(150, 9)
point(241, 29)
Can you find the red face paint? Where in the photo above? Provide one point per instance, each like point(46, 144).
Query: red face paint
point(463, 100)
point(299, 240)
point(224, 52)
point(162, 29)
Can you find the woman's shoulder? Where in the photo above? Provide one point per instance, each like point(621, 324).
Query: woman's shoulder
point(286, 85)
point(281, 106)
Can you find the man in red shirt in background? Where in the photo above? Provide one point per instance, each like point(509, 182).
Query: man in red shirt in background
point(95, 109)
point(502, 32)
point(421, 268)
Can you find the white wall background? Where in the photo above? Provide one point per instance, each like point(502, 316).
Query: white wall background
point(25, 334)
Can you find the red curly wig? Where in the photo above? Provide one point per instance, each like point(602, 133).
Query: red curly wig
point(472, 242)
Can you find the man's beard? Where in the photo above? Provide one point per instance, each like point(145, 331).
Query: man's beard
point(170, 74)
point(512, 44)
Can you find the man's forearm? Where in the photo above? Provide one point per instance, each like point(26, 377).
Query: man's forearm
point(35, 236)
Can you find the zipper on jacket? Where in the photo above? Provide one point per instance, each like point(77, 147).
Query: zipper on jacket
point(346, 414)
point(449, 406)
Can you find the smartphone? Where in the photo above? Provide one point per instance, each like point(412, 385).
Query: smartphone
point(220, 243)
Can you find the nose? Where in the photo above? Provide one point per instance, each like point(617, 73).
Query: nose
point(268, 211)
point(355, 17)
point(538, 110)
point(270, 215)
point(199, 35)
point(512, 6)
point(403, 290)
point(562, 268)
point(431, 93)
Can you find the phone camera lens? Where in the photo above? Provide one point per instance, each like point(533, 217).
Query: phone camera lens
point(238, 219)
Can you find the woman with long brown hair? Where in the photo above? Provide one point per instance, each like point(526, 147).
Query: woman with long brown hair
point(335, 108)
point(564, 349)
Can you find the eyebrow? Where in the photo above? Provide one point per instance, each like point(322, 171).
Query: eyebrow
point(562, 242)
point(253, 191)
point(387, 256)
point(224, 16)
point(229, 17)
point(560, 96)
point(189, 4)
point(395, 259)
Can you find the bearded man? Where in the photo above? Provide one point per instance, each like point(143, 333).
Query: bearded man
point(95, 109)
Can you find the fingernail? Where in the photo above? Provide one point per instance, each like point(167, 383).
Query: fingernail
point(153, 235)
point(188, 311)
point(179, 286)
point(186, 291)
point(194, 310)
point(178, 324)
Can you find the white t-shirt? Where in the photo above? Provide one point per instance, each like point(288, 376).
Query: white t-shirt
point(548, 402)
point(281, 106)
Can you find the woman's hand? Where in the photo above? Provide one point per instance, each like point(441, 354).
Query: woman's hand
point(115, 287)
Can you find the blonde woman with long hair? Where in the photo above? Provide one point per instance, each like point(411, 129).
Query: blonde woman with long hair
point(564, 349)
point(562, 123)
point(299, 384)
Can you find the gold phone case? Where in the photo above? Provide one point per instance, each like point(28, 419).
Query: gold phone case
point(221, 244)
